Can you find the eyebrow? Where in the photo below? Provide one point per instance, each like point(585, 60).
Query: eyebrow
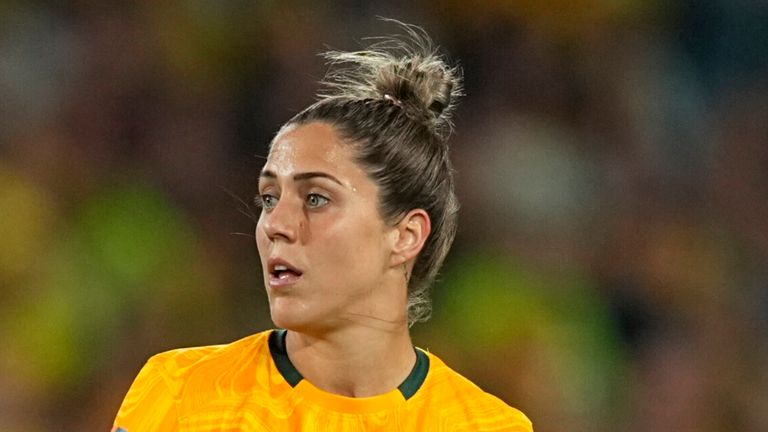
point(302, 176)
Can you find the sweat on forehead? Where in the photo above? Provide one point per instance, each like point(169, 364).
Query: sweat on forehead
point(323, 137)
point(312, 151)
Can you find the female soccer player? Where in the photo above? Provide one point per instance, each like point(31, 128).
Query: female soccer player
point(358, 213)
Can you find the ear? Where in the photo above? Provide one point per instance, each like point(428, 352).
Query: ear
point(410, 235)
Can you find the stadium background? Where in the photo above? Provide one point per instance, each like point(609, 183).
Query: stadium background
point(611, 269)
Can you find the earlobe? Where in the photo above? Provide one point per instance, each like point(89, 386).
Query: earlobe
point(411, 234)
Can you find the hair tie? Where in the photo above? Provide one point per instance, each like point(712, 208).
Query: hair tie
point(394, 100)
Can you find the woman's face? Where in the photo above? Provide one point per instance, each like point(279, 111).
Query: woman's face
point(323, 246)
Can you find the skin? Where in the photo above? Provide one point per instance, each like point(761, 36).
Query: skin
point(346, 306)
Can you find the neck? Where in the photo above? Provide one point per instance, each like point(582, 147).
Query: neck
point(359, 361)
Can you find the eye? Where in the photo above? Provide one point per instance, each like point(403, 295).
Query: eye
point(265, 201)
point(316, 200)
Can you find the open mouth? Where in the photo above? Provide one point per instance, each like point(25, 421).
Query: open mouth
point(283, 272)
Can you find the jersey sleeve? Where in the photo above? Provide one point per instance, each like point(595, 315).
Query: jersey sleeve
point(149, 405)
point(495, 416)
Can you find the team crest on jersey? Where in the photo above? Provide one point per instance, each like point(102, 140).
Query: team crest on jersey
point(119, 429)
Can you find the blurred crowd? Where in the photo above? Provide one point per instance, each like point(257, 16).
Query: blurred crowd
point(611, 267)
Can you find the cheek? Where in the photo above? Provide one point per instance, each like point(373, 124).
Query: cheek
point(353, 246)
point(261, 237)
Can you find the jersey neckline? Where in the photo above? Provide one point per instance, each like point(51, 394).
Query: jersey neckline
point(293, 377)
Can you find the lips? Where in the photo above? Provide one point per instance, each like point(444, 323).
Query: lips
point(282, 273)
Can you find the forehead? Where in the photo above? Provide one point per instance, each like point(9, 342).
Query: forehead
point(313, 146)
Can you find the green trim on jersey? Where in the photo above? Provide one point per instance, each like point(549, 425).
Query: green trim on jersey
point(416, 378)
point(280, 356)
point(277, 348)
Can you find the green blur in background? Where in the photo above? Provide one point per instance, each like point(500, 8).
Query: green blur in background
point(611, 266)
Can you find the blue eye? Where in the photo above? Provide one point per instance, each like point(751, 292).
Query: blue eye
point(315, 200)
point(266, 201)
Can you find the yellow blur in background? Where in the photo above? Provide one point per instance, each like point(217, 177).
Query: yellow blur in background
point(611, 267)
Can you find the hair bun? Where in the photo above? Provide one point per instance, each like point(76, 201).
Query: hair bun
point(406, 70)
point(424, 80)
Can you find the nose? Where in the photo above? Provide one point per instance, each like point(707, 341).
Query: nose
point(282, 222)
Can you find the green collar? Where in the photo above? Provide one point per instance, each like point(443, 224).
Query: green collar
point(408, 388)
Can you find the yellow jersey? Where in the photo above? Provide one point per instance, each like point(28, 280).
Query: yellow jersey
point(251, 385)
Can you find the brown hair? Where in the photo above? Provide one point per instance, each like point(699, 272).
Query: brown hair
point(393, 102)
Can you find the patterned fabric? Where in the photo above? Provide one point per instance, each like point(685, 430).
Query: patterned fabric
point(238, 387)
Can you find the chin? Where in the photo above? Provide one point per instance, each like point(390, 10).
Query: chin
point(288, 316)
point(282, 321)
